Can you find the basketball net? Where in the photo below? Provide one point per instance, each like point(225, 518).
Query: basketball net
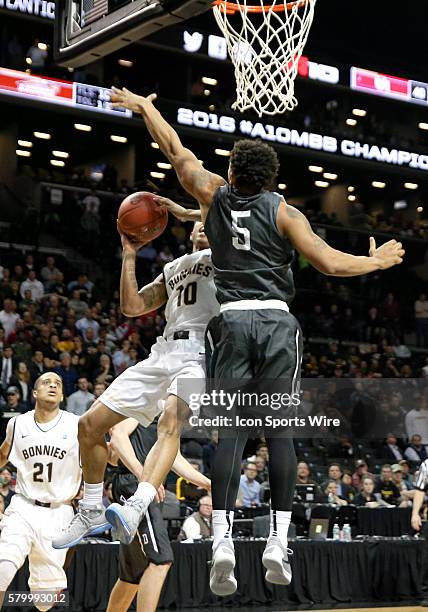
point(265, 44)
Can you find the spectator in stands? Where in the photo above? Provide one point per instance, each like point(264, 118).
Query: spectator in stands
point(77, 304)
point(402, 484)
point(21, 348)
point(104, 373)
point(22, 380)
point(249, 487)
point(99, 389)
point(416, 421)
point(198, 525)
point(7, 367)
point(78, 402)
point(38, 54)
point(52, 353)
point(88, 322)
point(36, 367)
point(262, 470)
point(122, 358)
point(13, 401)
point(386, 487)
point(416, 451)
point(208, 452)
point(68, 373)
point(304, 475)
point(366, 496)
point(407, 476)
point(361, 472)
point(263, 451)
point(6, 489)
point(84, 286)
point(421, 317)
point(344, 449)
point(91, 203)
point(50, 274)
point(331, 494)
point(390, 451)
point(335, 475)
point(33, 285)
point(8, 317)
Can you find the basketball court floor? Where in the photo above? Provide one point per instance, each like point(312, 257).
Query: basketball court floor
point(398, 608)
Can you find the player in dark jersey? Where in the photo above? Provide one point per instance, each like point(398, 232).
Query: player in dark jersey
point(143, 564)
point(252, 233)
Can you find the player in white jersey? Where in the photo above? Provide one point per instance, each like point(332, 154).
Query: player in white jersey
point(149, 388)
point(42, 445)
point(421, 486)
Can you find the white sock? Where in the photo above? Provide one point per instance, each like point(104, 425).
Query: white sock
point(145, 491)
point(279, 523)
point(93, 493)
point(222, 522)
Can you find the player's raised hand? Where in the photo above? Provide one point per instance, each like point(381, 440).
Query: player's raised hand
point(123, 98)
point(128, 244)
point(175, 209)
point(389, 254)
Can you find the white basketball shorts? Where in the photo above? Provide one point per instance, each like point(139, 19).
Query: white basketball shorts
point(140, 391)
point(27, 531)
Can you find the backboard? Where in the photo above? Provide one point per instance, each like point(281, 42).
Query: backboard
point(86, 30)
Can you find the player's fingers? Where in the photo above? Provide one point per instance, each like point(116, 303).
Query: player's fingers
point(152, 97)
point(372, 248)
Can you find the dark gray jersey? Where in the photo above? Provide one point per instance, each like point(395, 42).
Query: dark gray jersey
point(251, 259)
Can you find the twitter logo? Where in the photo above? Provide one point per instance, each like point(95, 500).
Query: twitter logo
point(192, 42)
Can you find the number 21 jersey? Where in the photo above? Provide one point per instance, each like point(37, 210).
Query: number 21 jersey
point(46, 457)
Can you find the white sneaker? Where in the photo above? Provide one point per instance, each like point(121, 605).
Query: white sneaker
point(222, 578)
point(275, 560)
point(89, 520)
point(125, 519)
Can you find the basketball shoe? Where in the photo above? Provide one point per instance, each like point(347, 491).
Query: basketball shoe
point(89, 520)
point(275, 560)
point(222, 578)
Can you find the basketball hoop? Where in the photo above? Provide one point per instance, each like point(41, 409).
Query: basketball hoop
point(265, 43)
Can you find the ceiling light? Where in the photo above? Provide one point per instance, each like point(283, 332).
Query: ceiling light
point(359, 112)
point(211, 107)
point(42, 135)
point(83, 127)
point(352, 198)
point(351, 188)
point(423, 126)
point(159, 175)
point(207, 92)
point(57, 162)
point(315, 168)
point(282, 186)
point(223, 152)
point(378, 184)
point(62, 154)
point(121, 139)
point(209, 81)
point(330, 175)
point(411, 186)
point(25, 143)
point(164, 165)
point(28, 60)
point(42, 46)
point(125, 63)
point(323, 184)
point(351, 122)
point(21, 153)
point(154, 145)
point(420, 209)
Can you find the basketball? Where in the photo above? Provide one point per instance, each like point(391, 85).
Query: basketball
point(140, 218)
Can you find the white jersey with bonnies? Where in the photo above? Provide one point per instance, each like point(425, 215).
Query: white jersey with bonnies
point(191, 291)
point(46, 457)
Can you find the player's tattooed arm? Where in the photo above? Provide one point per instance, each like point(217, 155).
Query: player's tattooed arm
point(134, 302)
point(195, 179)
point(294, 225)
point(181, 213)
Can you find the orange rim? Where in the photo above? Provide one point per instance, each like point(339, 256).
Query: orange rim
point(231, 7)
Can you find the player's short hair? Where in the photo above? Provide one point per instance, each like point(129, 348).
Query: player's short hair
point(37, 381)
point(254, 165)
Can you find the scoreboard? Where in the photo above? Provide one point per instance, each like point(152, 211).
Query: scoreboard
point(389, 86)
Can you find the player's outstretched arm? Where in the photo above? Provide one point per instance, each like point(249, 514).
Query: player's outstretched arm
point(134, 303)
point(197, 181)
point(122, 447)
point(183, 468)
point(4, 453)
point(181, 213)
point(7, 443)
point(293, 224)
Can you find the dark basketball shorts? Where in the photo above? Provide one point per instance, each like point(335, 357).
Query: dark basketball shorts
point(150, 545)
point(262, 347)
